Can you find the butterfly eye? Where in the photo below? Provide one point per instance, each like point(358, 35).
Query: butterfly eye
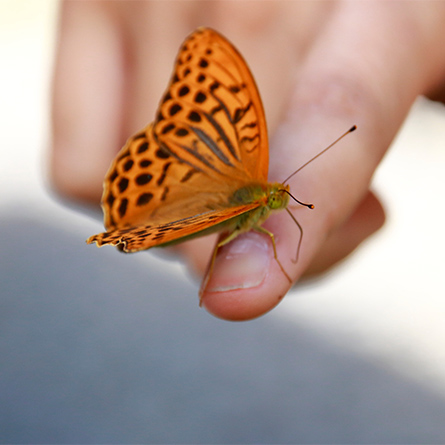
point(276, 201)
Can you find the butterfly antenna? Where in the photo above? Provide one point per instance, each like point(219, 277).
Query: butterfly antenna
point(309, 206)
point(353, 128)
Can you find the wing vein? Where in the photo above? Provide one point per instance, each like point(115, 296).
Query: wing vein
point(211, 144)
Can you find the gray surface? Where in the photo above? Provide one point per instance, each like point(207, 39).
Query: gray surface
point(95, 347)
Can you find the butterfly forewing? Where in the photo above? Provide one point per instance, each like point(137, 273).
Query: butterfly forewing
point(208, 139)
point(211, 115)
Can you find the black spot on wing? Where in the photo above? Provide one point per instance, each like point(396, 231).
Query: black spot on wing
point(162, 153)
point(183, 91)
point(175, 108)
point(200, 97)
point(144, 199)
point(128, 165)
point(216, 109)
point(113, 176)
point(122, 209)
point(250, 139)
point(194, 116)
point(249, 125)
point(158, 236)
point(110, 199)
point(143, 179)
point(163, 174)
point(181, 132)
point(240, 112)
point(168, 128)
point(143, 147)
point(123, 184)
point(238, 115)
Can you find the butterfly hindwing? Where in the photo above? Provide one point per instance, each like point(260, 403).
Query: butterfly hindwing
point(143, 237)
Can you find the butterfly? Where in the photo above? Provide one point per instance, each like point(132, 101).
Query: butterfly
point(202, 165)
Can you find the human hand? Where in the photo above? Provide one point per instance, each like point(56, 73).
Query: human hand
point(318, 65)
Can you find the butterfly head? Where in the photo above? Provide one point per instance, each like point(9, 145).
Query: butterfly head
point(278, 196)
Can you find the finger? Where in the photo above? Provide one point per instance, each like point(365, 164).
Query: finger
point(87, 100)
point(367, 219)
point(356, 73)
point(437, 93)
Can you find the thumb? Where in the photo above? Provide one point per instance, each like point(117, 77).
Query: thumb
point(354, 74)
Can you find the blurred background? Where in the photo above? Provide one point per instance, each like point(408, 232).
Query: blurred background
point(97, 347)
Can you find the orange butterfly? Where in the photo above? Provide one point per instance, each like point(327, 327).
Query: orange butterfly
point(201, 166)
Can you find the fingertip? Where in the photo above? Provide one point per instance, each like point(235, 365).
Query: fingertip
point(240, 264)
point(240, 305)
point(245, 282)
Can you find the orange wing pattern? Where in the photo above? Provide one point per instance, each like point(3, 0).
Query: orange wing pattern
point(211, 114)
point(145, 184)
point(209, 139)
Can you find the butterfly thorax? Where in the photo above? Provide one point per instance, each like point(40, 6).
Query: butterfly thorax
point(271, 195)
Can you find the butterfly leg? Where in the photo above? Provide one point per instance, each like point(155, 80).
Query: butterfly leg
point(224, 241)
point(271, 235)
point(227, 240)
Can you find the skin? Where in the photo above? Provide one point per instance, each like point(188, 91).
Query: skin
point(320, 66)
